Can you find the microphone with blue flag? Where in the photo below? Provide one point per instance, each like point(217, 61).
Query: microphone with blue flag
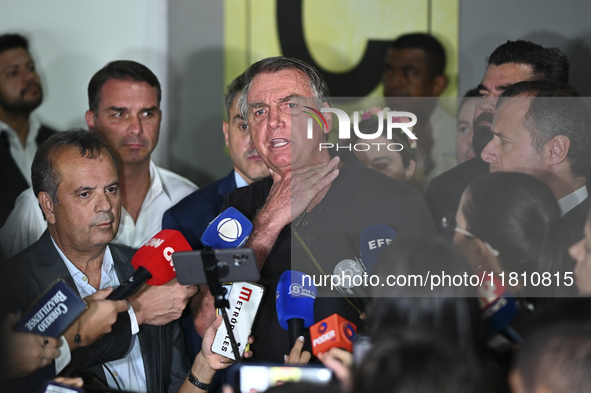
point(294, 300)
point(230, 229)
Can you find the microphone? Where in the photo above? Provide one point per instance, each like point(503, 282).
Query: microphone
point(153, 263)
point(333, 331)
point(230, 229)
point(351, 273)
point(294, 300)
point(372, 242)
point(498, 307)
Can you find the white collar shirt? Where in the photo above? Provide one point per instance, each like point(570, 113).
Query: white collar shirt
point(23, 155)
point(129, 371)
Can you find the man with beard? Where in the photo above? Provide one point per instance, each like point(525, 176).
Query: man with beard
point(20, 133)
point(124, 109)
point(512, 62)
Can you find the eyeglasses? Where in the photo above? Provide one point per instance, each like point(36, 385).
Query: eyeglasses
point(290, 106)
point(449, 224)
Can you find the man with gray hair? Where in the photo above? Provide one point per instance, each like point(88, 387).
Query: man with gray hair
point(76, 180)
point(310, 213)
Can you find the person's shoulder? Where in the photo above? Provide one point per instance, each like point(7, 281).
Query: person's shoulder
point(175, 180)
point(464, 171)
point(30, 253)
point(258, 187)
point(377, 181)
point(47, 129)
point(248, 199)
point(121, 251)
point(26, 200)
point(198, 198)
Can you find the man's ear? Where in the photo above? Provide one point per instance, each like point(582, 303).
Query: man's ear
point(47, 206)
point(556, 149)
point(439, 85)
point(225, 128)
point(89, 115)
point(327, 117)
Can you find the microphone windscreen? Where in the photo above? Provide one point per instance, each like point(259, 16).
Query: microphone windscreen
point(499, 307)
point(373, 240)
point(156, 255)
point(333, 331)
point(295, 298)
point(230, 229)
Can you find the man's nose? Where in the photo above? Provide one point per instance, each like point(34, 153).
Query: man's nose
point(104, 203)
point(489, 153)
point(487, 104)
point(276, 118)
point(135, 126)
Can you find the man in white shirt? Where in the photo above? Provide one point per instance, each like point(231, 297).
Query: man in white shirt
point(75, 177)
point(124, 109)
point(20, 133)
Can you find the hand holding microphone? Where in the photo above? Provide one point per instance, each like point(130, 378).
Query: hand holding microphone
point(96, 321)
point(164, 299)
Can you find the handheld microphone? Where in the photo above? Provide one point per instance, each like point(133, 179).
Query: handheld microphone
point(295, 303)
point(230, 229)
point(153, 263)
point(498, 307)
point(332, 332)
point(373, 240)
point(351, 273)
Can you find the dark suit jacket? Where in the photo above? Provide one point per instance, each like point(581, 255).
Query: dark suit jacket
point(577, 216)
point(165, 360)
point(445, 191)
point(193, 213)
point(191, 216)
point(12, 180)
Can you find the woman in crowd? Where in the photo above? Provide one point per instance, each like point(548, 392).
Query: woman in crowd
point(508, 224)
point(452, 312)
point(397, 157)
